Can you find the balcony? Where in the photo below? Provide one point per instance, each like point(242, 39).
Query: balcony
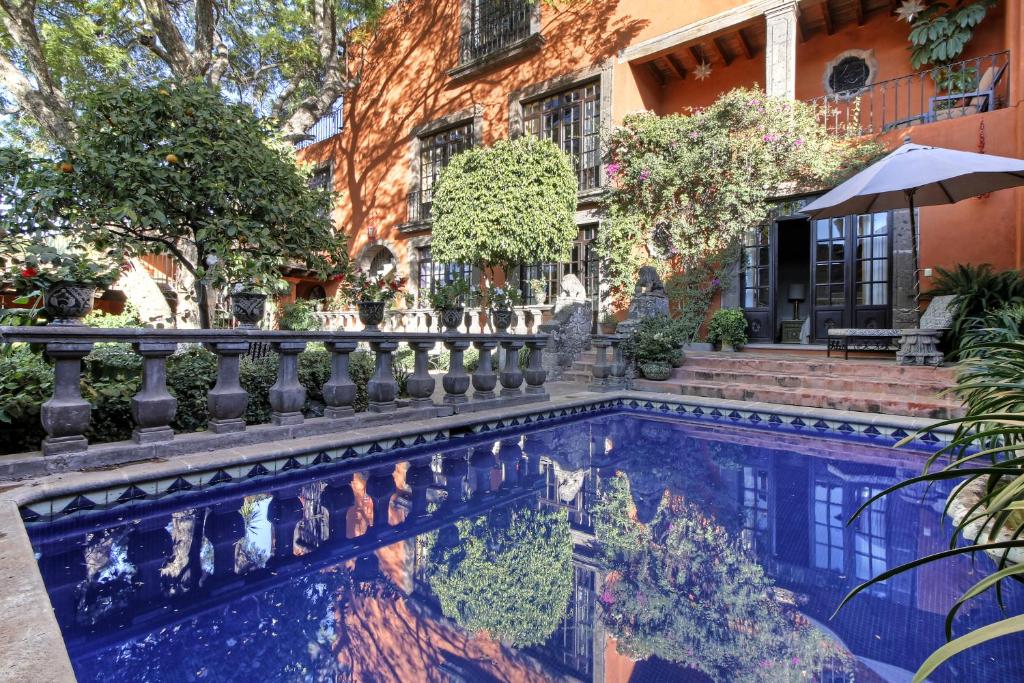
point(418, 206)
point(497, 31)
point(327, 127)
point(964, 88)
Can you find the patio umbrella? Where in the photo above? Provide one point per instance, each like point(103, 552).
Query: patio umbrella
point(918, 175)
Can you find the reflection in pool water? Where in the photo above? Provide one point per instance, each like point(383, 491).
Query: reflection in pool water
point(618, 548)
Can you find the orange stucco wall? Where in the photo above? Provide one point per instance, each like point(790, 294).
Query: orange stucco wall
point(404, 84)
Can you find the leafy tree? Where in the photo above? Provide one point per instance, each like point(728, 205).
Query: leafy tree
point(686, 187)
point(508, 573)
point(175, 169)
point(681, 589)
point(512, 203)
point(941, 31)
point(285, 59)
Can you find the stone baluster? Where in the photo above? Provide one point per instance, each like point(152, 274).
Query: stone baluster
point(454, 469)
point(66, 415)
point(535, 372)
point(338, 497)
point(339, 391)
point(418, 478)
point(227, 400)
point(420, 385)
point(510, 455)
point(285, 512)
point(485, 379)
point(602, 369)
point(618, 365)
point(511, 376)
point(482, 462)
point(519, 326)
point(153, 406)
point(455, 381)
point(287, 395)
point(380, 486)
point(382, 389)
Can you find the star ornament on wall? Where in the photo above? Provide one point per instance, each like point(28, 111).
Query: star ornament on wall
point(702, 72)
point(909, 9)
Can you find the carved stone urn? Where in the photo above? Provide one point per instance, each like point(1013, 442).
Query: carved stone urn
point(68, 302)
point(451, 317)
point(501, 319)
point(371, 314)
point(247, 308)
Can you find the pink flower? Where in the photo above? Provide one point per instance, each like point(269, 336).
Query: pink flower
point(798, 142)
point(694, 135)
point(770, 137)
point(612, 169)
point(645, 174)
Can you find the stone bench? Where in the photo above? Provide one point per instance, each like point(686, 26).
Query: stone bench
point(862, 339)
point(917, 345)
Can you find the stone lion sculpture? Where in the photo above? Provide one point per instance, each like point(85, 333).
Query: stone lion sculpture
point(648, 282)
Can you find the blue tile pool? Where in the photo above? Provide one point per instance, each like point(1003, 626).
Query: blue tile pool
point(614, 547)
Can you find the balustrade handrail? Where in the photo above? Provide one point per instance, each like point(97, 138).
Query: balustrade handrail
point(66, 416)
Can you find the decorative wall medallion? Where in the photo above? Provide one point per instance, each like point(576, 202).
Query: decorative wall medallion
point(850, 72)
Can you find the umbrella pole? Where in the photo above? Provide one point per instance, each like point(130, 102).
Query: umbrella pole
point(914, 255)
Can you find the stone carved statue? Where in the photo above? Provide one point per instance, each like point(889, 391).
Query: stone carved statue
point(649, 300)
point(570, 326)
point(648, 281)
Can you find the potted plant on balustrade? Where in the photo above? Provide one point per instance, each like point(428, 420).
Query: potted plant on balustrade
point(654, 347)
point(373, 293)
point(448, 301)
point(501, 301)
point(249, 299)
point(66, 278)
point(608, 323)
point(728, 327)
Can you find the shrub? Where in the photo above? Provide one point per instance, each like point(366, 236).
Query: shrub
point(654, 340)
point(298, 316)
point(26, 380)
point(470, 360)
point(129, 317)
point(978, 291)
point(728, 326)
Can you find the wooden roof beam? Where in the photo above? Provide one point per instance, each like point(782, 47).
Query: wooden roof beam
point(698, 55)
point(826, 15)
point(677, 66)
point(748, 51)
point(858, 6)
point(656, 73)
point(723, 54)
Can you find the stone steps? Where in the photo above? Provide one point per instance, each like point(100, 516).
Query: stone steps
point(872, 386)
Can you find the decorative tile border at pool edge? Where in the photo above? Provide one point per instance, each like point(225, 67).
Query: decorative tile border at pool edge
point(880, 429)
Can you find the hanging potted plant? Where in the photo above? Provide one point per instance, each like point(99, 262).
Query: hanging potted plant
point(448, 302)
point(501, 301)
point(66, 278)
point(373, 293)
point(728, 327)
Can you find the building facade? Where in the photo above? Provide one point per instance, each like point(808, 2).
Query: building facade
point(440, 77)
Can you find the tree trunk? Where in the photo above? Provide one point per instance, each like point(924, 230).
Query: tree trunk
point(203, 304)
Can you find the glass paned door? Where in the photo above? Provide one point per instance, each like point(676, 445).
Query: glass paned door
point(852, 266)
point(756, 283)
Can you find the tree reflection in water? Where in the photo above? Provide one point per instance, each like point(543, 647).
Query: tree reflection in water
point(681, 588)
point(507, 573)
point(107, 586)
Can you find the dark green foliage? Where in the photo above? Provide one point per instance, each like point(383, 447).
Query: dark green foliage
point(508, 573)
point(298, 316)
point(728, 326)
point(942, 31)
point(979, 290)
point(470, 360)
point(129, 317)
point(655, 340)
point(26, 380)
point(1003, 325)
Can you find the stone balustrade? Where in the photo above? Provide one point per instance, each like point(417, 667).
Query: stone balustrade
point(609, 370)
point(66, 415)
point(527, 320)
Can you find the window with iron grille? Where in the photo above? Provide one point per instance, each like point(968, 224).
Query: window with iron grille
point(321, 178)
point(583, 263)
point(493, 26)
point(572, 120)
point(431, 275)
point(436, 151)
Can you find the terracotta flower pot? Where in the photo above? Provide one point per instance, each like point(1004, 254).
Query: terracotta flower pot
point(247, 308)
point(68, 302)
point(371, 314)
point(608, 328)
point(501, 319)
point(451, 318)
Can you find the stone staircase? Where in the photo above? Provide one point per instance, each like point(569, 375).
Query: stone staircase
point(872, 386)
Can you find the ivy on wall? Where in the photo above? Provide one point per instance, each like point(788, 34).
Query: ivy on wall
point(685, 187)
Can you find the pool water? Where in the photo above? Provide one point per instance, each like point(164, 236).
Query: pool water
point(619, 547)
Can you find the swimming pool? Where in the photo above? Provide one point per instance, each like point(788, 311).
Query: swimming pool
point(620, 546)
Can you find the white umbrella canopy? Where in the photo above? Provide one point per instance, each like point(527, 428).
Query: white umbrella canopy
point(919, 175)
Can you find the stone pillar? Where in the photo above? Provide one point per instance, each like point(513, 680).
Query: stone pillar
point(287, 395)
point(454, 469)
point(339, 391)
point(153, 407)
point(618, 365)
point(511, 376)
point(455, 381)
point(420, 385)
point(780, 49)
point(904, 272)
point(485, 379)
point(382, 389)
point(227, 400)
point(284, 513)
point(535, 372)
point(66, 415)
point(601, 368)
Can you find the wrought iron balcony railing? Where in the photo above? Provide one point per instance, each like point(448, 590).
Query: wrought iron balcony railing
point(419, 202)
point(964, 88)
point(494, 26)
point(327, 127)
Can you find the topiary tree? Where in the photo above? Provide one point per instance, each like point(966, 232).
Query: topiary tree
point(512, 203)
point(175, 169)
point(508, 573)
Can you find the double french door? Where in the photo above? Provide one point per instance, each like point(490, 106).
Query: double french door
point(848, 279)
